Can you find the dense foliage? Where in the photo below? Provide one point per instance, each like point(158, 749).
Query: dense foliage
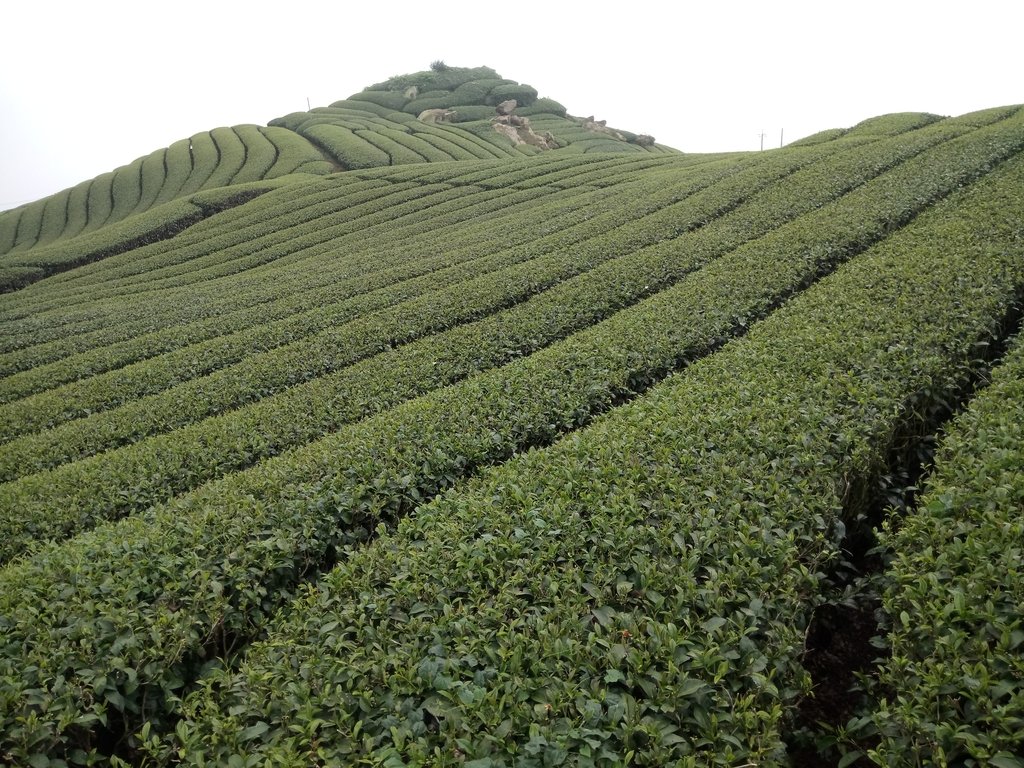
point(951, 690)
point(469, 454)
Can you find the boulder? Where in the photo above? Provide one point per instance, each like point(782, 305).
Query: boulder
point(519, 130)
point(601, 126)
point(437, 116)
point(507, 130)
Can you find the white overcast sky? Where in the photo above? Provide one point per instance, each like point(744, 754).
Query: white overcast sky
point(86, 87)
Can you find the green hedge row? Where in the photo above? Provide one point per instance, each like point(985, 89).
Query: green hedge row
point(259, 154)
point(564, 171)
point(819, 138)
point(204, 155)
point(99, 202)
point(213, 159)
point(360, 295)
point(156, 178)
point(294, 154)
point(82, 279)
point(312, 241)
point(9, 228)
point(525, 95)
point(370, 109)
point(629, 166)
point(126, 189)
point(91, 328)
point(13, 278)
point(440, 219)
point(542, 171)
point(27, 306)
point(869, 160)
point(353, 121)
point(951, 686)
point(213, 234)
point(642, 200)
point(607, 145)
point(445, 173)
point(449, 144)
point(409, 140)
point(443, 101)
point(346, 148)
point(575, 606)
point(397, 151)
point(230, 157)
point(158, 224)
point(565, 246)
point(892, 124)
point(158, 468)
point(542, 106)
point(489, 83)
point(458, 144)
point(130, 273)
point(391, 100)
point(77, 209)
point(484, 131)
point(115, 350)
point(900, 122)
point(178, 163)
point(93, 246)
point(575, 135)
point(469, 113)
point(409, 202)
point(320, 167)
point(469, 146)
point(29, 224)
point(152, 177)
point(481, 136)
point(289, 122)
point(473, 92)
point(198, 576)
point(55, 217)
point(96, 294)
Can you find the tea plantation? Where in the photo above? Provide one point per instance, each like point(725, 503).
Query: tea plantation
point(441, 427)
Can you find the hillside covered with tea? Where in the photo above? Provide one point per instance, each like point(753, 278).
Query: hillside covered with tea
point(442, 427)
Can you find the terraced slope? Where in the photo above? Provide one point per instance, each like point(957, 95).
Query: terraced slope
point(389, 124)
point(212, 160)
point(450, 114)
point(487, 460)
point(639, 588)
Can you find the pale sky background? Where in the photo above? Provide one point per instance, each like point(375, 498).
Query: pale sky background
point(86, 87)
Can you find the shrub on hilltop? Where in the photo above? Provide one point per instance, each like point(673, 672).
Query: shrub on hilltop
point(447, 79)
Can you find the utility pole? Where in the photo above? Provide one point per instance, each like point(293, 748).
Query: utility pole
point(308, 107)
point(762, 135)
point(781, 133)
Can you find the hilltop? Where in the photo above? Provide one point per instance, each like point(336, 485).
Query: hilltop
point(430, 428)
point(444, 114)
